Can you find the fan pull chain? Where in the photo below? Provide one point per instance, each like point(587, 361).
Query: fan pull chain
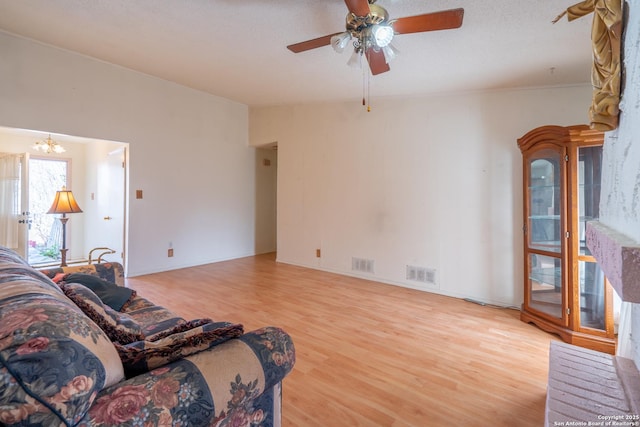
point(366, 83)
point(368, 92)
point(364, 101)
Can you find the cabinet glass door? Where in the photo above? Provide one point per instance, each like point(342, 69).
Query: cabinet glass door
point(592, 295)
point(545, 284)
point(545, 206)
point(591, 280)
point(544, 233)
point(589, 177)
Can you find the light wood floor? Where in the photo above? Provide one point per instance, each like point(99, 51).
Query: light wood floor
point(370, 354)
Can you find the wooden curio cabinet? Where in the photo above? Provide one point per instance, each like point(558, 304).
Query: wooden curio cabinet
point(565, 292)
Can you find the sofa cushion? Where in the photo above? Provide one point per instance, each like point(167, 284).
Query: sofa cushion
point(173, 395)
point(53, 359)
point(12, 272)
point(7, 255)
point(109, 293)
point(119, 327)
point(142, 356)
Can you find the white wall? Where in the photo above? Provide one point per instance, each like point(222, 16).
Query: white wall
point(432, 182)
point(189, 150)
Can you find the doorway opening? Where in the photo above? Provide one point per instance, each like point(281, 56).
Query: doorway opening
point(95, 170)
point(266, 198)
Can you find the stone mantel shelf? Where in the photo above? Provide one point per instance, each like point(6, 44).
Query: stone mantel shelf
point(618, 257)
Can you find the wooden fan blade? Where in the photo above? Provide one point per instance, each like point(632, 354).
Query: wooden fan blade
point(358, 7)
point(311, 44)
point(443, 20)
point(377, 62)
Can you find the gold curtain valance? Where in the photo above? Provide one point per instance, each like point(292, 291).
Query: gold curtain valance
point(606, 35)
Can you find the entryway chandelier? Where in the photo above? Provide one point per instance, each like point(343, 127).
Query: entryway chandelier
point(48, 146)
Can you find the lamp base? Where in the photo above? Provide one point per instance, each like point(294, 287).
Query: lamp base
point(63, 257)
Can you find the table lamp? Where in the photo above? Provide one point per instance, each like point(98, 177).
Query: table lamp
point(64, 203)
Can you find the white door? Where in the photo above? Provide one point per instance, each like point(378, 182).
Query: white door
point(14, 202)
point(111, 203)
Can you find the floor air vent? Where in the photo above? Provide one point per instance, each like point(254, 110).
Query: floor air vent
point(361, 264)
point(421, 274)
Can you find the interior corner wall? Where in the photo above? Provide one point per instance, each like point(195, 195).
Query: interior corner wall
point(432, 182)
point(189, 150)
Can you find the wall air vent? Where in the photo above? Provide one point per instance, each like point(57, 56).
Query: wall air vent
point(362, 265)
point(421, 274)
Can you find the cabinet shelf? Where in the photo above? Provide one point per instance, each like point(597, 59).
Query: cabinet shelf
point(546, 276)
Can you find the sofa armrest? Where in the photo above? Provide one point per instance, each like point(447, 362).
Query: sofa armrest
point(274, 349)
point(225, 381)
point(110, 271)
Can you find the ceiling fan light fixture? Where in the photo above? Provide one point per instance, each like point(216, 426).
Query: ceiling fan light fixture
point(340, 41)
point(371, 31)
point(382, 34)
point(356, 59)
point(390, 52)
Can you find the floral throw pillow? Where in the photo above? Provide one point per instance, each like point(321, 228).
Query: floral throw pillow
point(119, 327)
point(143, 356)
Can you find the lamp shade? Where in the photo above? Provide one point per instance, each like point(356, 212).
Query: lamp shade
point(339, 41)
point(64, 203)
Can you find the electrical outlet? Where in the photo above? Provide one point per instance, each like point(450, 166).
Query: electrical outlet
point(317, 253)
point(170, 252)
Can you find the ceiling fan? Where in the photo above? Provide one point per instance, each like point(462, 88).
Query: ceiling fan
point(371, 30)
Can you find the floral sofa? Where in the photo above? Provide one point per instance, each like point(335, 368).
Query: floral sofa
point(58, 367)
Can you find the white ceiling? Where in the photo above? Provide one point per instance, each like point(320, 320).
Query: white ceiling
point(237, 48)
